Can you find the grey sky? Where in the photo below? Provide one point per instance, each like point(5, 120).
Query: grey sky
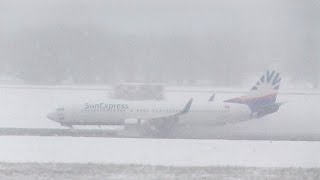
point(143, 16)
point(217, 34)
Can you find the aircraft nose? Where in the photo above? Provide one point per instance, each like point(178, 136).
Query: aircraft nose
point(53, 116)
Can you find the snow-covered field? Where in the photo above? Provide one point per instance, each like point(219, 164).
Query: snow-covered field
point(31, 171)
point(57, 158)
point(163, 152)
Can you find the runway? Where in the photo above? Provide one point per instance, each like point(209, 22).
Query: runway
point(106, 133)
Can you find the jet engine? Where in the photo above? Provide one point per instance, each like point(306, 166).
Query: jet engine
point(142, 127)
point(134, 124)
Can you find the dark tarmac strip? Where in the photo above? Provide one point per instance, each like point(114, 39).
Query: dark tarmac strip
point(115, 134)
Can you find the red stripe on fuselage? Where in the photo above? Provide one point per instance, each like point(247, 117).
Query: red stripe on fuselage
point(246, 99)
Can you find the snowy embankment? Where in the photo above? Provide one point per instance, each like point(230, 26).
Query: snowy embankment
point(160, 152)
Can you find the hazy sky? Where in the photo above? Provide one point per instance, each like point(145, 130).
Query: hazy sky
point(213, 33)
point(144, 16)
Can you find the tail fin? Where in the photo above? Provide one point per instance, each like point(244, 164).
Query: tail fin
point(263, 93)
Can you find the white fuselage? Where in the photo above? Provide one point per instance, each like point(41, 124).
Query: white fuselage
point(204, 114)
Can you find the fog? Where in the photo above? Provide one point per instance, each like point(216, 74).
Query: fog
point(172, 41)
point(66, 112)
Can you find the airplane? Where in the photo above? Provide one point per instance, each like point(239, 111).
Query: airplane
point(161, 118)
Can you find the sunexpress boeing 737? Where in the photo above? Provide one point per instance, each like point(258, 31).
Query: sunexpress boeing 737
point(161, 118)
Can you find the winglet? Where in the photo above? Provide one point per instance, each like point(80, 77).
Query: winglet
point(211, 99)
point(186, 109)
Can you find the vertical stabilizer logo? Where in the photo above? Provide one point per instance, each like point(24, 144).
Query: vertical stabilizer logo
point(271, 78)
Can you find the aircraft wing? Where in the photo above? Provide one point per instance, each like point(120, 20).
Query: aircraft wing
point(166, 123)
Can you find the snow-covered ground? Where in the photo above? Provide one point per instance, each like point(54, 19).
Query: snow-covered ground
point(160, 152)
point(53, 171)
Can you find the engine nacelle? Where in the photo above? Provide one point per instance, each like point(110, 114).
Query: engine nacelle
point(132, 121)
point(140, 126)
point(134, 124)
